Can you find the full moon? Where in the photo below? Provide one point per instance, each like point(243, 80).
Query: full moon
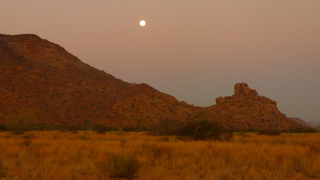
point(143, 23)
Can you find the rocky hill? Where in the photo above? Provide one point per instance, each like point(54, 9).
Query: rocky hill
point(314, 123)
point(298, 120)
point(247, 110)
point(41, 77)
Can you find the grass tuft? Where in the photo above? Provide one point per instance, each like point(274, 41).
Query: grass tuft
point(120, 166)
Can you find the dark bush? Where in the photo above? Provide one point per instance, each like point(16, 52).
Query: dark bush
point(23, 121)
point(2, 171)
point(167, 128)
point(120, 166)
point(101, 128)
point(303, 130)
point(136, 128)
point(3, 127)
point(196, 130)
point(270, 132)
point(204, 130)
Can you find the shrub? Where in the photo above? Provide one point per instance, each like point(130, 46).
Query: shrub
point(101, 128)
point(3, 127)
point(157, 150)
point(2, 171)
point(196, 130)
point(270, 132)
point(204, 130)
point(22, 122)
point(70, 128)
point(315, 148)
point(83, 137)
point(303, 130)
point(120, 166)
point(29, 136)
point(167, 128)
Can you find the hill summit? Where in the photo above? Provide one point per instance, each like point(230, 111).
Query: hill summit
point(42, 78)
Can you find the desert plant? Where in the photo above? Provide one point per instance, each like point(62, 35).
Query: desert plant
point(204, 129)
point(270, 132)
point(2, 171)
point(3, 127)
point(167, 127)
point(24, 121)
point(303, 130)
point(195, 129)
point(120, 166)
point(101, 128)
point(29, 136)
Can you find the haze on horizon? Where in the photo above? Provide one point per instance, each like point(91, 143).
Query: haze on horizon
point(193, 50)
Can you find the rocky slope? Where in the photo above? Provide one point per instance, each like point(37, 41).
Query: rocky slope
point(314, 123)
point(298, 120)
point(43, 78)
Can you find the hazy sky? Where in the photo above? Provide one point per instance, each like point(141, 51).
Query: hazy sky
point(195, 50)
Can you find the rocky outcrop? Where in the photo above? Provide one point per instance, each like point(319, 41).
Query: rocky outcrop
point(247, 110)
point(243, 89)
point(244, 97)
point(39, 76)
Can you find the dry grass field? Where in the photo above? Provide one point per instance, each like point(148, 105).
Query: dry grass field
point(89, 155)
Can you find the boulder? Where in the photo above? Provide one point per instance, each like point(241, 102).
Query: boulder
point(243, 89)
point(219, 100)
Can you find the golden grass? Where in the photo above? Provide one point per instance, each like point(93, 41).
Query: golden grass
point(65, 155)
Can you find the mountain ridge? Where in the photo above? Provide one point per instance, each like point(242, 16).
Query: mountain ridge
point(43, 77)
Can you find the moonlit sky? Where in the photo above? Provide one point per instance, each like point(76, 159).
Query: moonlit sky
point(195, 50)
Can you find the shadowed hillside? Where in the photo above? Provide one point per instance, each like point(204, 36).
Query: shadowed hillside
point(43, 78)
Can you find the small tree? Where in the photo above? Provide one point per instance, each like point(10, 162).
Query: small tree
point(101, 128)
point(270, 132)
point(22, 122)
point(195, 129)
point(3, 127)
point(167, 127)
point(204, 130)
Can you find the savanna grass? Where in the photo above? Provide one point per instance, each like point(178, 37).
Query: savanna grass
point(91, 155)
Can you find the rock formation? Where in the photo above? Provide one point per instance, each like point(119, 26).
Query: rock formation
point(42, 77)
point(247, 110)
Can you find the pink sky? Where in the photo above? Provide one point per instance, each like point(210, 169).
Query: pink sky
point(193, 50)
